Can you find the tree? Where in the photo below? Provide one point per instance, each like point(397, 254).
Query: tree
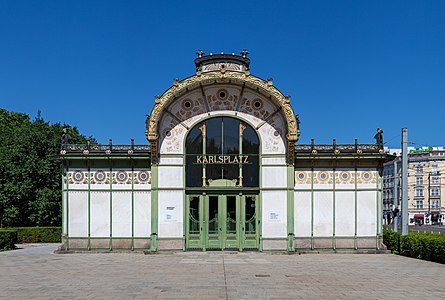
point(30, 182)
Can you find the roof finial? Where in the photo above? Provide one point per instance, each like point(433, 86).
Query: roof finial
point(244, 52)
point(200, 53)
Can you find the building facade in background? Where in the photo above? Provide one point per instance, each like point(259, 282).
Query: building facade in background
point(222, 170)
point(426, 179)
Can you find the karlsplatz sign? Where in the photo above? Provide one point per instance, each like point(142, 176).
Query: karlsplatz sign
point(222, 159)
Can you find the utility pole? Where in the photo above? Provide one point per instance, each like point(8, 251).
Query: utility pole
point(429, 194)
point(396, 198)
point(405, 181)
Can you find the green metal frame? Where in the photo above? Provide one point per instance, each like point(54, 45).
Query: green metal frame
point(222, 240)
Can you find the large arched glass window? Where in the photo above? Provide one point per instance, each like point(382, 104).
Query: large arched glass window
point(222, 148)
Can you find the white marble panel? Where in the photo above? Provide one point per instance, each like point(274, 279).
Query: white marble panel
point(171, 160)
point(274, 215)
point(274, 177)
point(323, 214)
point(302, 214)
point(78, 214)
point(169, 176)
point(272, 137)
point(142, 214)
point(170, 213)
point(276, 160)
point(366, 213)
point(100, 214)
point(228, 101)
point(345, 213)
point(121, 214)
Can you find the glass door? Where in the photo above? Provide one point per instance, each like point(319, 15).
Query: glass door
point(232, 221)
point(222, 222)
point(250, 222)
point(214, 213)
point(195, 222)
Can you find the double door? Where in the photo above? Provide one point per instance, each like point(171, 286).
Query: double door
point(222, 222)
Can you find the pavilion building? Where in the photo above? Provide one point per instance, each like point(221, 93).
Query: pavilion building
point(223, 169)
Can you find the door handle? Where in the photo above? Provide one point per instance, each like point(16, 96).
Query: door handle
point(201, 229)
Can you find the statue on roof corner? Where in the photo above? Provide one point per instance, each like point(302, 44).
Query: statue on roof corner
point(66, 138)
point(379, 138)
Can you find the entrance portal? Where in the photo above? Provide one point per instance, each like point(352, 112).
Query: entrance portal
point(222, 222)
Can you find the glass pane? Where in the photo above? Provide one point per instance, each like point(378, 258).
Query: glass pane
point(231, 136)
point(251, 143)
point(231, 214)
point(194, 215)
point(194, 172)
point(213, 214)
point(251, 174)
point(250, 215)
point(194, 141)
point(214, 136)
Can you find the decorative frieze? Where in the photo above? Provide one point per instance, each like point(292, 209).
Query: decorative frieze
point(103, 177)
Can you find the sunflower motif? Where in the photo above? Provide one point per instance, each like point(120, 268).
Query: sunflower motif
point(345, 176)
point(100, 176)
point(122, 176)
point(143, 176)
point(323, 176)
point(78, 176)
point(366, 176)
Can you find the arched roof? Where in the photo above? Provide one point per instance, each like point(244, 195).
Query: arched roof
point(222, 76)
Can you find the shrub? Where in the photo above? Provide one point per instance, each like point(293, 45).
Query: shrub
point(8, 239)
point(426, 246)
point(391, 240)
point(39, 234)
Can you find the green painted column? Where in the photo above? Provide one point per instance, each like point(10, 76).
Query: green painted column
point(154, 208)
point(312, 208)
point(89, 206)
point(290, 208)
point(334, 243)
point(132, 205)
point(355, 208)
point(110, 245)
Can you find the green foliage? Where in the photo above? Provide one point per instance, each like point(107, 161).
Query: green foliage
point(38, 234)
point(391, 240)
point(427, 246)
point(8, 239)
point(30, 182)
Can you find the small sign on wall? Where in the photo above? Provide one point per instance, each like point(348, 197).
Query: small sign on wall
point(170, 214)
point(274, 217)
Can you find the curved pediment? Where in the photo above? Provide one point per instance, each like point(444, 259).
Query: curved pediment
point(221, 90)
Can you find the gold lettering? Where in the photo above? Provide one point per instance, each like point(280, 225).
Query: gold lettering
point(199, 159)
point(211, 159)
point(246, 157)
point(235, 160)
point(226, 158)
point(205, 160)
point(220, 159)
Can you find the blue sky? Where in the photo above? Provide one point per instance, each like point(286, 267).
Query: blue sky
point(349, 66)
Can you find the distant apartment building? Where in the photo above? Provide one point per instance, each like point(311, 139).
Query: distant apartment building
point(426, 185)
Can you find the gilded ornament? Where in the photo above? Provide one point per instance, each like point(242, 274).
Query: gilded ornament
point(209, 78)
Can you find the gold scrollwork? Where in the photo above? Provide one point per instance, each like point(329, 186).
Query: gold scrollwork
point(210, 77)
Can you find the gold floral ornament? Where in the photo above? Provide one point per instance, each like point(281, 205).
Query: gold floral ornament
point(208, 78)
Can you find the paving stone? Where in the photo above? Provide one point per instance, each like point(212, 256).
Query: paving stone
point(37, 273)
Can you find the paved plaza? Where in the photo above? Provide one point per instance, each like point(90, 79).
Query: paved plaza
point(37, 273)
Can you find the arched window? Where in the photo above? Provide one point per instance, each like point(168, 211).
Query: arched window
point(222, 148)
